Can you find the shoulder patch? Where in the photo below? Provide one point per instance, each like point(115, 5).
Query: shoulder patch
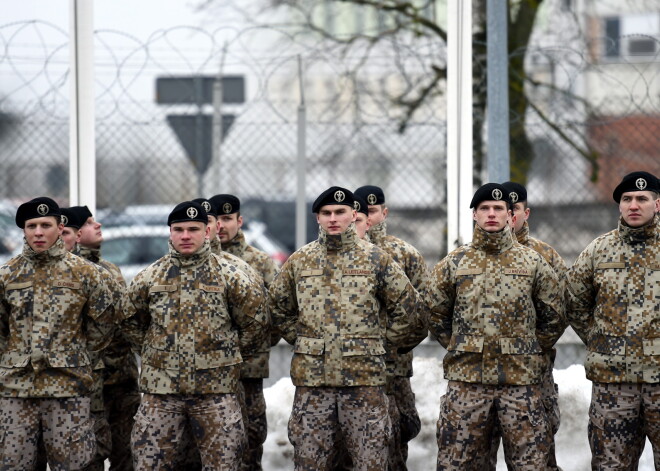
point(210, 288)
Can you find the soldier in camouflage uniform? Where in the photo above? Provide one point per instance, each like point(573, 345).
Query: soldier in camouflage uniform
point(71, 229)
point(403, 413)
point(614, 306)
point(227, 209)
point(497, 307)
point(118, 397)
point(340, 301)
point(55, 310)
point(194, 315)
point(520, 227)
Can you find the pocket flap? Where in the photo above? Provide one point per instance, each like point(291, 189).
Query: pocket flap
point(217, 359)
point(363, 346)
point(652, 346)
point(520, 346)
point(11, 286)
point(68, 359)
point(14, 359)
point(466, 343)
point(310, 346)
point(160, 358)
point(607, 344)
point(163, 289)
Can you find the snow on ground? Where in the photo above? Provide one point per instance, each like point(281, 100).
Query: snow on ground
point(573, 452)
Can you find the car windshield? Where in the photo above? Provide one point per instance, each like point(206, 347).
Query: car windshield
point(135, 250)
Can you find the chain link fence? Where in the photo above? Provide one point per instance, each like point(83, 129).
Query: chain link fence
point(592, 117)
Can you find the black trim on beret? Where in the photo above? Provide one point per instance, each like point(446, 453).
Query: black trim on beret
point(636, 181)
point(208, 206)
point(490, 192)
point(333, 195)
point(372, 194)
point(517, 192)
point(225, 204)
point(37, 208)
point(188, 211)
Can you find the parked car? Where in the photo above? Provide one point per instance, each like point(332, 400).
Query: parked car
point(11, 237)
point(133, 248)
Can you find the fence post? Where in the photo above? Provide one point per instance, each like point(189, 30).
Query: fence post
point(301, 206)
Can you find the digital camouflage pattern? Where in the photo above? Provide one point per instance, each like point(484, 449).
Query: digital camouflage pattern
point(119, 394)
point(215, 421)
point(614, 300)
point(617, 440)
point(545, 250)
point(497, 308)
point(63, 423)
point(193, 316)
point(467, 414)
point(321, 414)
point(55, 308)
point(256, 258)
point(339, 300)
point(406, 423)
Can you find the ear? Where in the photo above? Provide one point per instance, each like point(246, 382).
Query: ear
point(354, 215)
point(240, 221)
point(60, 228)
point(385, 212)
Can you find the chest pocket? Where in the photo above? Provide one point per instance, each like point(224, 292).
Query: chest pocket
point(163, 302)
point(611, 280)
point(653, 285)
point(212, 297)
point(469, 286)
point(310, 288)
point(20, 297)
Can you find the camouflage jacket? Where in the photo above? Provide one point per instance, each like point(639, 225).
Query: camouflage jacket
point(338, 300)
point(119, 362)
point(255, 365)
point(545, 250)
point(496, 307)
point(55, 308)
point(614, 304)
point(414, 266)
point(193, 316)
point(257, 259)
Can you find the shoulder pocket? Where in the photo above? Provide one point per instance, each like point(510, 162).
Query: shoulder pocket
point(317, 272)
point(469, 271)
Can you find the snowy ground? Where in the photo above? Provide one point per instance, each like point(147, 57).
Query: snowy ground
point(571, 441)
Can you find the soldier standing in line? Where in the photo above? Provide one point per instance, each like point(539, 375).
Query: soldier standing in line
point(194, 315)
point(119, 396)
point(55, 308)
point(340, 302)
point(497, 307)
point(614, 307)
point(70, 231)
point(254, 369)
point(403, 413)
point(518, 196)
point(362, 221)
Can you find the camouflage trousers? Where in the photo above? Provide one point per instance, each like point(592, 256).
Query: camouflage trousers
point(121, 405)
point(254, 403)
point(321, 415)
point(467, 419)
point(103, 441)
point(550, 393)
point(63, 423)
point(404, 414)
point(215, 421)
point(621, 416)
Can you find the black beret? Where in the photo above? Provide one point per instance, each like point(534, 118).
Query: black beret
point(225, 204)
point(71, 218)
point(371, 194)
point(208, 206)
point(82, 213)
point(636, 181)
point(333, 195)
point(517, 192)
point(490, 192)
point(36, 208)
point(188, 211)
point(360, 205)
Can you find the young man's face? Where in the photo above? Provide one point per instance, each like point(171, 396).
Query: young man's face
point(90, 234)
point(491, 216)
point(42, 233)
point(638, 208)
point(335, 218)
point(521, 214)
point(70, 237)
point(228, 226)
point(377, 213)
point(188, 237)
point(362, 224)
point(213, 227)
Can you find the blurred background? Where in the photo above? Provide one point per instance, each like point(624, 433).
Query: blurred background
point(368, 76)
